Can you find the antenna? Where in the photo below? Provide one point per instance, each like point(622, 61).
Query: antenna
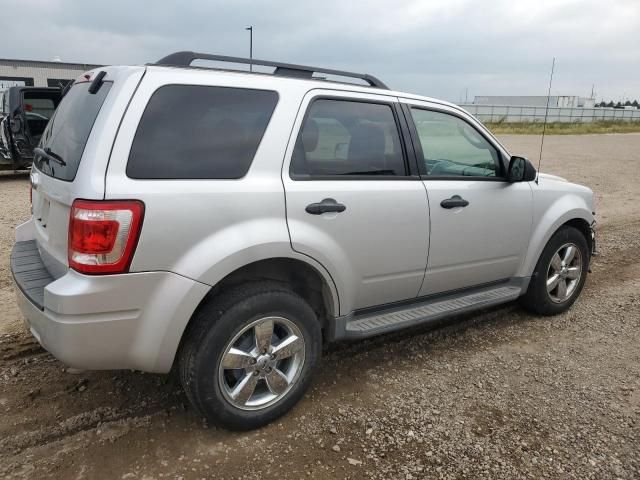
point(546, 113)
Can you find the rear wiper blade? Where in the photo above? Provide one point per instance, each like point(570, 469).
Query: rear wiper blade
point(49, 155)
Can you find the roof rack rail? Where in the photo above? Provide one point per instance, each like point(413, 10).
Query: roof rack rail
point(184, 59)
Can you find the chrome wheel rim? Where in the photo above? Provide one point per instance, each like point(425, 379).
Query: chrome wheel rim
point(261, 363)
point(564, 273)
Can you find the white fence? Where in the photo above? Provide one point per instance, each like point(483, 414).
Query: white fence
point(509, 113)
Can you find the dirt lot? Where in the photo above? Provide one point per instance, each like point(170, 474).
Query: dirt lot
point(502, 394)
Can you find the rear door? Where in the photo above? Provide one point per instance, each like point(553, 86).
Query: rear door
point(353, 202)
point(480, 223)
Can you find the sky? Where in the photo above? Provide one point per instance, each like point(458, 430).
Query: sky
point(446, 49)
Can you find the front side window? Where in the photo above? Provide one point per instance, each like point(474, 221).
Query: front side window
point(200, 132)
point(453, 148)
point(348, 138)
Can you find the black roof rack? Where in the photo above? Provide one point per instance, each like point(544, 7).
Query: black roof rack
point(184, 59)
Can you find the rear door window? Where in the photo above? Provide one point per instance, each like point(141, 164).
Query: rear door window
point(348, 138)
point(200, 132)
point(68, 130)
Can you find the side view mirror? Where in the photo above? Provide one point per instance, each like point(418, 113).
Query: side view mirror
point(520, 170)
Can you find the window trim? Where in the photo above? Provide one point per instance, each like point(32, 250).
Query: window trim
point(200, 179)
point(411, 173)
point(407, 107)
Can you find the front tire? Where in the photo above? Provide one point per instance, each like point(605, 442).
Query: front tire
point(249, 355)
point(560, 273)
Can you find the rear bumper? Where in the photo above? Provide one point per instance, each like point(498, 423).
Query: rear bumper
point(128, 321)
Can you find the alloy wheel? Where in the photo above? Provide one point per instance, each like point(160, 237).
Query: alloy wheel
point(261, 363)
point(564, 273)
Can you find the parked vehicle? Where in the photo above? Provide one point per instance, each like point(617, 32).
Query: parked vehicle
point(24, 114)
point(229, 222)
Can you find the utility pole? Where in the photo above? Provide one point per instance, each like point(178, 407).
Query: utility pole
point(250, 47)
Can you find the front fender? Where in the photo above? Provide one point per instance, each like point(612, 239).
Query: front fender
point(550, 217)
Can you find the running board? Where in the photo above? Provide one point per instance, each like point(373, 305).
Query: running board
point(424, 311)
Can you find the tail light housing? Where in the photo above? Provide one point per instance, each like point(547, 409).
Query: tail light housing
point(103, 235)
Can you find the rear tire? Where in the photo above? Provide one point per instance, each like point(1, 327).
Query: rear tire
point(560, 273)
point(249, 355)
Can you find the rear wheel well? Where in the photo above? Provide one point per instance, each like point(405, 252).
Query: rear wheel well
point(299, 276)
point(583, 227)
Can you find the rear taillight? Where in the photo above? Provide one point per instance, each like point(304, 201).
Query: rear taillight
point(103, 235)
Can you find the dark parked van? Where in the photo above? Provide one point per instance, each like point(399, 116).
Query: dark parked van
point(24, 114)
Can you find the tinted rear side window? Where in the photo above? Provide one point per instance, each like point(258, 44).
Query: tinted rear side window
point(348, 138)
point(200, 132)
point(67, 132)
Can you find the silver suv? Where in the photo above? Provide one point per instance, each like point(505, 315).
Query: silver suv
point(229, 222)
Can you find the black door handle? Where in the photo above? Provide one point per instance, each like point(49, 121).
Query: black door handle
point(453, 202)
point(326, 205)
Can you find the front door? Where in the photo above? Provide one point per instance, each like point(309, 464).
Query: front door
point(480, 223)
point(352, 202)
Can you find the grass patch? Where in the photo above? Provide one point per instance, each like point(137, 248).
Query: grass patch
point(557, 128)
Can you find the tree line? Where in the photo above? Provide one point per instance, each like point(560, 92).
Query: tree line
point(628, 103)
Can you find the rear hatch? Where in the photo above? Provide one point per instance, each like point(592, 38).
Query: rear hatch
point(73, 153)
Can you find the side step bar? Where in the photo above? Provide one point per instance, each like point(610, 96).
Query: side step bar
point(422, 311)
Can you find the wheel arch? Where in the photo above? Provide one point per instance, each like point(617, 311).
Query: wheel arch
point(311, 282)
point(577, 216)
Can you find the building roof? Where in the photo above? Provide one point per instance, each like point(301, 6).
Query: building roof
point(49, 64)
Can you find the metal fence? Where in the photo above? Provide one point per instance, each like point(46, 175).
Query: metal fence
point(516, 114)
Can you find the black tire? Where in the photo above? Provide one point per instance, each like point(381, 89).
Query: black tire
point(216, 323)
point(537, 299)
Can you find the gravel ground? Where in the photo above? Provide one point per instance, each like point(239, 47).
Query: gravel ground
point(501, 394)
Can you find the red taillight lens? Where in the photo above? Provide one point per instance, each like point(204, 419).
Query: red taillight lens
point(94, 236)
point(103, 235)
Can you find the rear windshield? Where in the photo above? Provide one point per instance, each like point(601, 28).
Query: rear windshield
point(200, 132)
point(67, 132)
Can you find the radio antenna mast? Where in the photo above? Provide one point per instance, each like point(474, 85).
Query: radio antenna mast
point(546, 113)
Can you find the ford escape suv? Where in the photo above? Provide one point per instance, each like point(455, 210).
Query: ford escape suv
point(229, 222)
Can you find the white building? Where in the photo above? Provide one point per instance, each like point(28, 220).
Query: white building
point(564, 101)
point(39, 74)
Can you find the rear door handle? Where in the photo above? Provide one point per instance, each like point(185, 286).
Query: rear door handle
point(453, 202)
point(326, 205)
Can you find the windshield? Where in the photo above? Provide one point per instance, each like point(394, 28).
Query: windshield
point(68, 131)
